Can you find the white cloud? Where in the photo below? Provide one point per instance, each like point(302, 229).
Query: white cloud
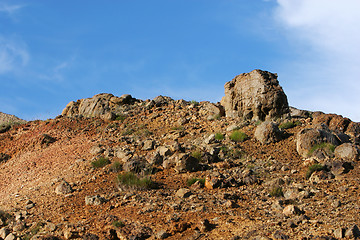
point(13, 55)
point(10, 10)
point(328, 34)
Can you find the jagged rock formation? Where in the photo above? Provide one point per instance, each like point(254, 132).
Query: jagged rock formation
point(8, 119)
point(255, 96)
point(98, 105)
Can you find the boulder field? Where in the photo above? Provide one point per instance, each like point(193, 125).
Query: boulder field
point(249, 167)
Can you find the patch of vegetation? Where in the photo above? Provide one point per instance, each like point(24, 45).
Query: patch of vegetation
point(258, 122)
point(314, 168)
point(101, 162)
point(116, 167)
point(216, 117)
point(120, 117)
point(238, 136)
point(131, 180)
point(276, 192)
point(118, 224)
point(128, 131)
point(289, 124)
point(194, 103)
point(193, 180)
point(178, 128)
point(219, 136)
point(197, 154)
point(328, 147)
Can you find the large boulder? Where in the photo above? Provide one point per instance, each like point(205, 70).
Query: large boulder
point(255, 96)
point(268, 132)
point(347, 151)
point(97, 106)
point(307, 138)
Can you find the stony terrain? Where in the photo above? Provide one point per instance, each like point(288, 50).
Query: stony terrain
point(266, 174)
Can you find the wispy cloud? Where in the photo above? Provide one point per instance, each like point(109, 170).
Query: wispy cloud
point(56, 74)
point(13, 55)
point(328, 34)
point(10, 9)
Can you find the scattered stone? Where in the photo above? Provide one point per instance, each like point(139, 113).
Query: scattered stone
point(94, 200)
point(279, 235)
point(205, 225)
point(162, 234)
point(4, 232)
point(10, 237)
point(148, 145)
point(347, 152)
point(186, 163)
point(339, 233)
point(63, 188)
point(291, 210)
point(352, 232)
point(183, 193)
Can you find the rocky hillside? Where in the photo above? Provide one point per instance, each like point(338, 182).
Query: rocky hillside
point(250, 167)
point(7, 120)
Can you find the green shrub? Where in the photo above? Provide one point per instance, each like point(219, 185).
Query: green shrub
point(197, 155)
point(276, 192)
point(328, 147)
point(120, 117)
point(289, 124)
point(131, 180)
point(314, 168)
point(128, 131)
point(238, 136)
point(118, 224)
point(219, 136)
point(193, 180)
point(116, 167)
point(195, 103)
point(178, 128)
point(101, 162)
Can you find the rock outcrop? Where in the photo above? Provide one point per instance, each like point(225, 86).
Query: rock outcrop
point(255, 96)
point(98, 105)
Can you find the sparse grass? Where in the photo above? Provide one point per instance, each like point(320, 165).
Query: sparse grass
point(276, 192)
point(118, 224)
point(328, 147)
point(178, 128)
point(197, 154)
point(128, 131)
point(131, 180)
point(238, 136)
point(258, 122)
point(219, 136)
point(194, 103)
point(216, 117)
point(120, 117)
point(116, 167)
point(313, 168)
point(101, 162)
point(193, 180)
point(289, 124)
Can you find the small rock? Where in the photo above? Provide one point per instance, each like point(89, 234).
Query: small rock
point(352, 232)
point(280, 235)
point(4, 232)
point(94, 200)
point(205, 226)
point(339, 233)
point(10, 237)
point(63, 188)
point(183, 193)
point(148, 145)
point(291, 210)
point(162, 234)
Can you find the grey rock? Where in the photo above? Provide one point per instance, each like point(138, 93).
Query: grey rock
point(268, 132)
point(291, 210)
point(308, 137)
point(10, 237)
point(63, 188)
point(148, 145)
point(255, 96)
point(348, 152)
point(183, 193)
point(94, 200)
point(339, 233)
point(186, 163)
point(352, 232)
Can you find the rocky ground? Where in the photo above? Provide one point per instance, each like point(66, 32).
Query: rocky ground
point(257, 187)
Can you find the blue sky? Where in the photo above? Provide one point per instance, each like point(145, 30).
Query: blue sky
point(54, 52)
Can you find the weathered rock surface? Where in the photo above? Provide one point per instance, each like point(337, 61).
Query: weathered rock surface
point(268, 132)
point(255, 96)
point(97, 106)
point(348, 152)
point(309, 137)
